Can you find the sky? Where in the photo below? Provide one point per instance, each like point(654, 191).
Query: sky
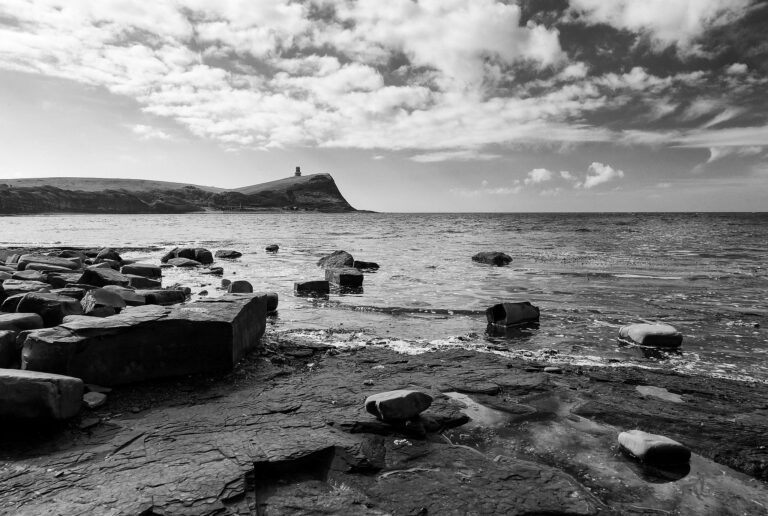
point(428, 105)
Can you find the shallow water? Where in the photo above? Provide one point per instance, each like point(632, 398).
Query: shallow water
point(589, 273)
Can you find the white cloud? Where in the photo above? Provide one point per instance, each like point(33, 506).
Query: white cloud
point(567, 175)
point(737, 69)
point(147, 132)
point(599, 173)
point(538, 175)
point(460, 155)
point(485, 190)
point(666, 22)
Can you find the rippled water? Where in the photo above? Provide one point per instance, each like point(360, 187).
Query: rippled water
point(589, 273)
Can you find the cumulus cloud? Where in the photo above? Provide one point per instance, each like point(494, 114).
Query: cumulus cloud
point(460, 155)
point(484, 189)
point(666, 22)
point(538, 175)
point(599, 173)
point(147, 132)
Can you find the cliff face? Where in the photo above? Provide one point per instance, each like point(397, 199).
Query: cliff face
point(315, 192)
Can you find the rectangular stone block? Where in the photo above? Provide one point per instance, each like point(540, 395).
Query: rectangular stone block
point(512, 314)
point(151, 341)
point(35, 395)
point(305, 288)
point(345, 277)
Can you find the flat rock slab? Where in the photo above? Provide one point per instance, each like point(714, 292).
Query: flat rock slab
point(51, 307)
point(651, 335)
point(184, 262)
point(13, 287)
point(65, 263)
point(35, 395)
point(148, 342)
point(103, 277)
point(344, 277)
point(307, 288)
point(142, 269)
point(20, 322)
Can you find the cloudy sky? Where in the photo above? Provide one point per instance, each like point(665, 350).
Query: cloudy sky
point(428, 105)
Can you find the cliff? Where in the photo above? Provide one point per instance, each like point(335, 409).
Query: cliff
point(99, 195)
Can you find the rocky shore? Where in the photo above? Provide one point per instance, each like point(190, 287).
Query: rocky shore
point(211, 408)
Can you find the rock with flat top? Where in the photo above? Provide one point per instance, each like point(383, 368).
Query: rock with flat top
point(66, 263)
point(184, 262)
point(94, 400)
point(36, 395)
point(654, 449)
point(164, 297)
point(345, 277)
point(136, 281)
point(512, 314)
point(20, 322)
point(365, 266)
point(651, 335)
point(13, 287)
point(146, 342)
point(95, 301)
point(397, 405)
point(496, 258)
point(103, 277)
point(129, 295)
point(142, 269)
point(51, 307)
point(29, 275)
point(308, 288)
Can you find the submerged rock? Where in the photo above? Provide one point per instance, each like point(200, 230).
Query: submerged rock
point(511, 314)
point(149, 342)
point(344, 277)
point(36, 395)
point(228, 254)
point(492, 258)
point(397, 405)
point(651, 335)
point(336, 259)
point(654, 449)
point(272, 248)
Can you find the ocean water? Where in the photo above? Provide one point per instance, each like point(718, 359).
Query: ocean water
point(589, 273)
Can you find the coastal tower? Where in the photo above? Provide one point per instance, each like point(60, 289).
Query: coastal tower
point(298, 172)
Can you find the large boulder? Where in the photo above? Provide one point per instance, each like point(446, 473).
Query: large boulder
point(512, 314)
point(51, 307)
point(149, 342)
point(228, 254)
point(397, 405)
point(36, 395)
point(66, 263)
point(13, 287)
point(142, 269)
point(100, 302)
point(335, 260)
point(651, 335)
point(344, 277)
point(102, 277)
point(20, 322)
point(496, 258)
point(203, 256)
point(654, 449)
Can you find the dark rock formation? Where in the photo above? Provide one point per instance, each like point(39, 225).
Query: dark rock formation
point(492, 258)
point(240, 287)
point(51, 307)
point(142, 269)
point(651, 335)
point(365, 266)
point(228, 254)
point(397, 405)
point(307, 288)
point(184, 262)
point(102, 277)
point(272, 248)
point(20, 322)
point(336, 259)
point(344, 277)
point(34, 395)
point(512, 314)
point(148, 342)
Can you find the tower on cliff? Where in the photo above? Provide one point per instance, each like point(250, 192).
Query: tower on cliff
point(298, 172)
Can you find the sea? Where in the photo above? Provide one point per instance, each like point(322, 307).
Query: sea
point(704, 273)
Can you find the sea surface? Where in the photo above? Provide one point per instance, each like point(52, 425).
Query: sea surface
point(589, 273)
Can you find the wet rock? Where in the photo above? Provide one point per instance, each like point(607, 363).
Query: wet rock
point(306, 288)
point(103, 277)
point(272, 248)
point(654, 449)
point(148, 342)
point(142, 282)
point(272, 302)
point(101, 298)
point(163, 297)
point(146, 270)
point(365, 266)
point(10, 355)
point(492, 258)
point(130, 296)
point(65, 279)
point(20, 321)
point(203, 256)
point(397, 405)
point(73, 292)
point(36, 395)
point(511, 314)
point(179, 252)
point(240, 287)
point(336, 259)
point(215, 271)
point(184, 262)
point(13, 287)
point(109, 254)
point(66, 263)
point(344, 277)
point(94, 400)
point(29, 275)
point(51, 307)
point(651, 335)
point(228, 254)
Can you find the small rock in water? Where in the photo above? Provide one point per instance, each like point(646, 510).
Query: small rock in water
point(240, 287)
point(651, 335)
point(272, 248)
point(510, 314)
point(215, 271)
point(365, 266)
point(225, 282)
point(228, 254)
point(344, 277)
point(304, 288)
point(184, 262)
point(94, 399)
point(654, 449)
point(496, 258)
point(202, 293)
point(397, 405)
